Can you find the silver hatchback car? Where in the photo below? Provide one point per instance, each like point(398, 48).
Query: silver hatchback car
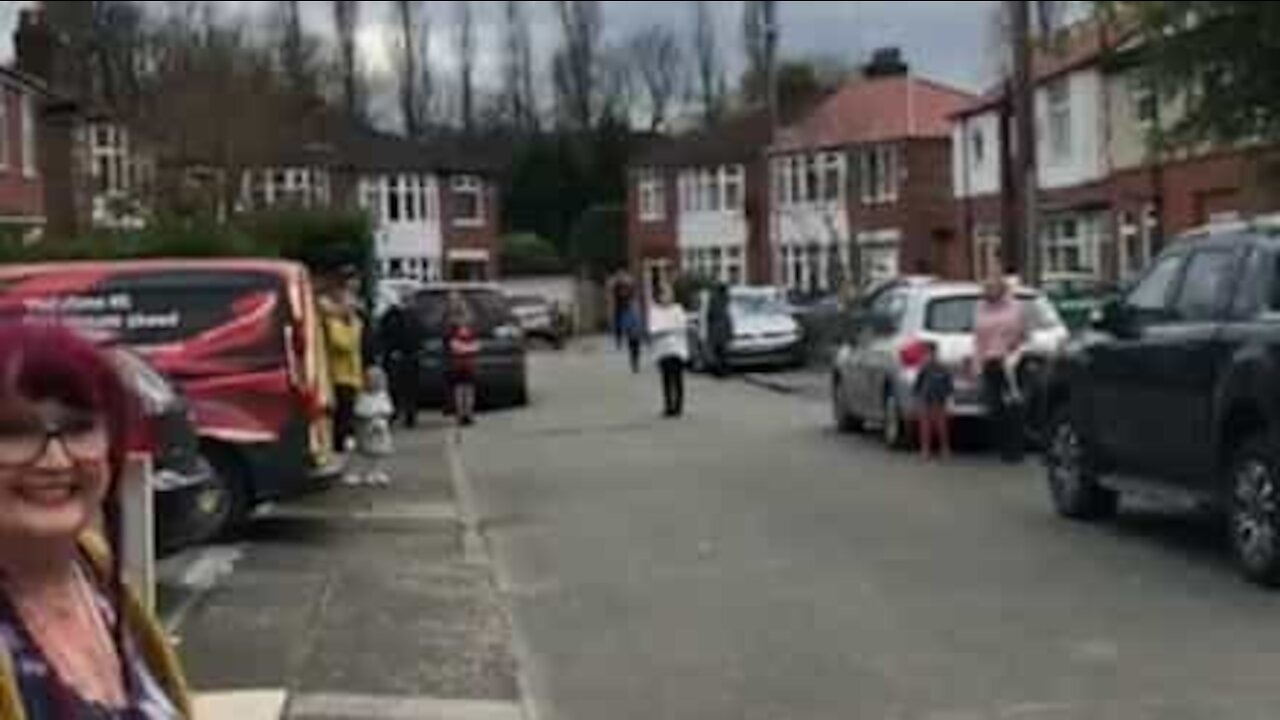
point(875, 368)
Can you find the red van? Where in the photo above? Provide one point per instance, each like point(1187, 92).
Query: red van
point(241, 338)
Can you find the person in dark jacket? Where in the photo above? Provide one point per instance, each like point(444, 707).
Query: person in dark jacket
point(400, 335)
point(719, 330)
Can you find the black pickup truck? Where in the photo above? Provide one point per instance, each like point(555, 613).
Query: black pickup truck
point(1176, 390)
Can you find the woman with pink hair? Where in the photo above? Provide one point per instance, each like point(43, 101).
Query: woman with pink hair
point(74, 641)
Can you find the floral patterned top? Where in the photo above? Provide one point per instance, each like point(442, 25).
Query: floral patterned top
point(47, 696)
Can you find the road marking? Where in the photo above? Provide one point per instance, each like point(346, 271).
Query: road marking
point(325, 706)
point(473, 549)
point(241, 705)
point(476, 549)
point(429, 512)
point(206, 568)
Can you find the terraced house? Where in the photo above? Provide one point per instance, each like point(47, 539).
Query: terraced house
point(1107, 200)
point(855, 186)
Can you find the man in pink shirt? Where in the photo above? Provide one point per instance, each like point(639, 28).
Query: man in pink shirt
point(999, 332)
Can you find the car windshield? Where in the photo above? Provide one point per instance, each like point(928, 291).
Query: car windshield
point(955, 315)
point(758, 304)
point(487, 309)
point(526, 301)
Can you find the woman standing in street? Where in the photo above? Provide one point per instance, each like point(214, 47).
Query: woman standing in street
point(74, 640)
point(999, 332)
point(344, 338)
point(669, 334)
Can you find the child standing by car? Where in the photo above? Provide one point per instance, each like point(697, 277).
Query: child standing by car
point(463, 348)
point(934, 388)
point(374, 412)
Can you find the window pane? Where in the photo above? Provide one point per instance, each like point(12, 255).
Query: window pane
point(1152, 293)
point(1207, 279)
point(393, 200)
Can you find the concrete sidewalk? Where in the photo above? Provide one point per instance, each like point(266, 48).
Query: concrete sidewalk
point(357, 603)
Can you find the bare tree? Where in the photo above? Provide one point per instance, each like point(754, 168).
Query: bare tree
point(657, 61)
point(615, 86)
point(575, 69)
point(518, 94)
point(710, 71)
point(466, 45)
point(346, 22)
point(414, 73)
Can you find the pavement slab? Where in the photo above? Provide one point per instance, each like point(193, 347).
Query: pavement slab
point(353, 599)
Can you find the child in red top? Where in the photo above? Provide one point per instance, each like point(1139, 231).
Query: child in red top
point(463, 348)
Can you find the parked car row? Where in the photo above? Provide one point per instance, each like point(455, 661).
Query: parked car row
point(1170, 389)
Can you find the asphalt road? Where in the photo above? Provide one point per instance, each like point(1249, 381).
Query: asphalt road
point(747, 562)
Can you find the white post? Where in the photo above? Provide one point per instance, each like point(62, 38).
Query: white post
point(137, 519)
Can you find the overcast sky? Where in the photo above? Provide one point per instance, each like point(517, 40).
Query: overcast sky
point(945, 40)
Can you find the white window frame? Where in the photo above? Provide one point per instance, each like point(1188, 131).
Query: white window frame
point(832, 164)
point(1141, 92)
point(474, 185)
point(652, 196)
point(1058, 109)
point(880, 174)
point(1084, 242)
point(30, 168)
point(733, 175)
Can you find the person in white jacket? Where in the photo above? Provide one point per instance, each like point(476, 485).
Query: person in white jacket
point(669, 334)
point(374, 444)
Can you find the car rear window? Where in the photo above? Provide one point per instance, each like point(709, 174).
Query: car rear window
point(955, 315)
point(488, 309)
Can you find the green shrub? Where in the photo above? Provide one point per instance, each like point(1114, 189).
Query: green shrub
point(530, 254)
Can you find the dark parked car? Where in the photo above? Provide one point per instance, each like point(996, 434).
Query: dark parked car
point(1177, 392)
point(501, 377)
point(192, 504)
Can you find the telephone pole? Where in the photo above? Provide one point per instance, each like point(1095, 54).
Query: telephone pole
point(1026, 257)
point(771, 62)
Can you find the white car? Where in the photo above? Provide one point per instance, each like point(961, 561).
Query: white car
point(765, 331)
point(875, 368)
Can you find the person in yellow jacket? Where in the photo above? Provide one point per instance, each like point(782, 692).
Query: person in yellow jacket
point(344, 338)
point(74, 641)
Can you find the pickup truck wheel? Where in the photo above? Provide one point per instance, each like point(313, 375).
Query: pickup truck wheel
point(1073, 487)
point(1254, 513)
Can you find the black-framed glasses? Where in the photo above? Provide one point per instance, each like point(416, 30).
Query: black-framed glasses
point(22, 444)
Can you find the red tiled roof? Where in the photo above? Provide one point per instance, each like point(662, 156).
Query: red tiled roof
point(869, 110)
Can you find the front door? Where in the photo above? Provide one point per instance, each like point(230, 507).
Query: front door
point(1183, 356)
point(1119, 388)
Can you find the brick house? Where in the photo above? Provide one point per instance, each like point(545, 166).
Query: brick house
point(435, 204)
point(22, 202)
point(1106, 201)
point(861, 187)
point(857, 180)
point(697, 204)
